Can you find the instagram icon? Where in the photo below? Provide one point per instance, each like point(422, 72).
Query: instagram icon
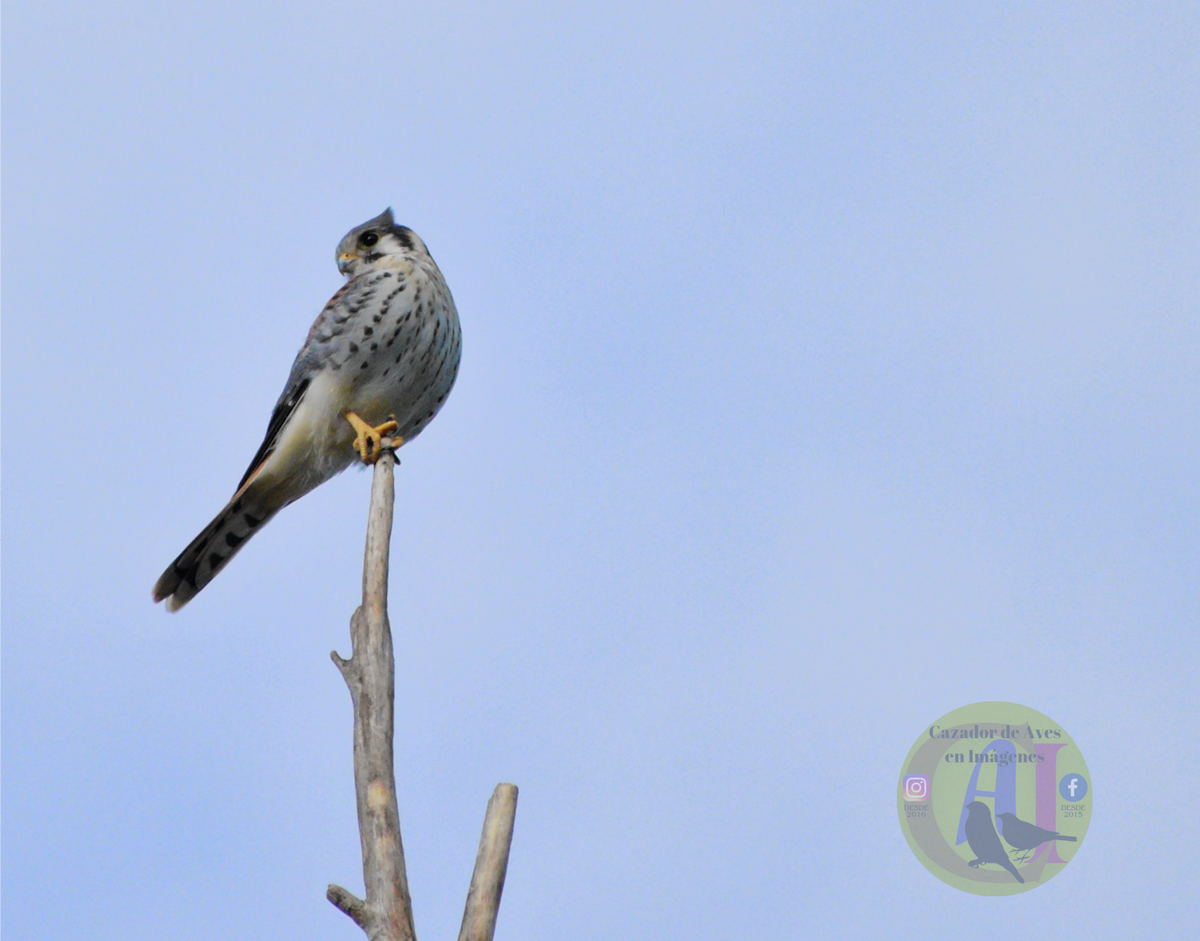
point(916, 788)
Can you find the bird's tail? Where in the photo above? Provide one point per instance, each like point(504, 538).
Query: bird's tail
point(1013, 869)
point(211, 551)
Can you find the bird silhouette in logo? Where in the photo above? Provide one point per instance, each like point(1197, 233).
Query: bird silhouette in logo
point(984, 841)
point(1025, 836)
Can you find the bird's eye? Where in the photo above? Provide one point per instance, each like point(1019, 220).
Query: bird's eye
point(367, 239)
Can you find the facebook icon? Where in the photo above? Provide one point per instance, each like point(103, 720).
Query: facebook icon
point(1072, 787)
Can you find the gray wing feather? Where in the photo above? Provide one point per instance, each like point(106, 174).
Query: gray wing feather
point(323, 339)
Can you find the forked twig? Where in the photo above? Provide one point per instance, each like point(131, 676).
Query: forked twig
point(386, 913)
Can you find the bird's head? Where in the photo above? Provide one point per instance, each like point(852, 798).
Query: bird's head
point(375, 243)
point(1006, 817)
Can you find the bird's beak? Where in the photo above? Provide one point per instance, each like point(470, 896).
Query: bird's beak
point(344, 261)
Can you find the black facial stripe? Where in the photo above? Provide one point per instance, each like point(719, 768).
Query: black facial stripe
point(403, 235)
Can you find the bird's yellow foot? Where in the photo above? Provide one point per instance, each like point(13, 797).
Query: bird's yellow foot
point(369, 442)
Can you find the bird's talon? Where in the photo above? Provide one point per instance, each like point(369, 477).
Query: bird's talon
point(369, 443)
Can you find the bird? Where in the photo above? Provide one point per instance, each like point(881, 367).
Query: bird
point(378, 364)
point(985, 844)
point(1025, 836)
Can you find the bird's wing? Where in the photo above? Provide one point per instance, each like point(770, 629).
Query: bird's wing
point(326, 331)
point(287, 403)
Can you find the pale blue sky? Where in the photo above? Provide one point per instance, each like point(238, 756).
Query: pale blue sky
point(826, 367)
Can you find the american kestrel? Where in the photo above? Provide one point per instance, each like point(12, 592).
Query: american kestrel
point(378, 362)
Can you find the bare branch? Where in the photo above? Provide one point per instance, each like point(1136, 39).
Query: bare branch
point(349, 903)
point(491, 863)
point(386, 915)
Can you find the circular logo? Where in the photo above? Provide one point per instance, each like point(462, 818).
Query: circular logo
point(1072, 787)
point(984, 802)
